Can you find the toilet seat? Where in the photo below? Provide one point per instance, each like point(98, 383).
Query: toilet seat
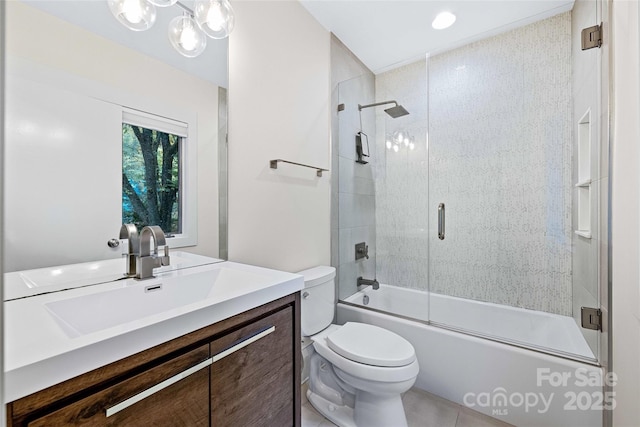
point(389, 374)
point(371, 345)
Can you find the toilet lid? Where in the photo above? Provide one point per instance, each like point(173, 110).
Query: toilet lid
point(371, 345)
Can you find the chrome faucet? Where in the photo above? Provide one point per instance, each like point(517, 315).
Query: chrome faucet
point(366, 282)
point(130, 232)
point(147, 261)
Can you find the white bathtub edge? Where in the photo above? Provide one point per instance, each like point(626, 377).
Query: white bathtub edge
point(454, 365)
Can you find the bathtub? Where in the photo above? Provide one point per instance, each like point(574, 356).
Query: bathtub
point(506, 381)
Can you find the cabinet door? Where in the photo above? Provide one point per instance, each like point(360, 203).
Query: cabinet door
point(253, 383)
point(175, 393)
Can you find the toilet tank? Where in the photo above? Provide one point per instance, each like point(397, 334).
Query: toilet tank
point(318, 299)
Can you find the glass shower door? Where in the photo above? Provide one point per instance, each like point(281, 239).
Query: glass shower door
point(401, 187)
point(502, 189)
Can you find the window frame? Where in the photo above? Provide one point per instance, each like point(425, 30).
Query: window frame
point(185, 126)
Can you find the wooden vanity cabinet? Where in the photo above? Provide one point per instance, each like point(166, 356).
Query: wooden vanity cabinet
point(190, 409)
point(251, 387)
point(243, 371)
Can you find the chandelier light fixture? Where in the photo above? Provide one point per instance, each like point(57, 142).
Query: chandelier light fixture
point(186, 37)
point(136, 15)
point(187, 32)
point(215, 18)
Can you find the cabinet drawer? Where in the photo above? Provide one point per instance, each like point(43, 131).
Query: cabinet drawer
point(252, 385)
point(175, 393)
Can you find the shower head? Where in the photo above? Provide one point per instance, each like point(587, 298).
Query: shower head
point(394, 112)
point(397, 111)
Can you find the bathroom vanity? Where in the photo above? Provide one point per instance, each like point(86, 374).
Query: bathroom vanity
point(240, 368)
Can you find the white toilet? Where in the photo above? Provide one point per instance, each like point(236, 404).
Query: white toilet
point(358, 371)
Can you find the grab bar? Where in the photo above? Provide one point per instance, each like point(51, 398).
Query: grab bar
point(441, 221)
point(273, 164)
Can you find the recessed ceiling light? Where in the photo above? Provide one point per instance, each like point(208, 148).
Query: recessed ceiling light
point(443, 20)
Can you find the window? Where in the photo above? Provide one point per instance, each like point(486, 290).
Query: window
point(151, 178)
point(154, 182)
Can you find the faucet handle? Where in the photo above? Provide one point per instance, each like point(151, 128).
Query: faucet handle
point(165, 259)
point(362, 251)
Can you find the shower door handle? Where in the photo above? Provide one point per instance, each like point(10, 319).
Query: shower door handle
point(441, 221)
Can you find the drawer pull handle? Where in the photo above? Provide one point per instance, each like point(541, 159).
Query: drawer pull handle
point(243, 343)
point(174, 379)
point(156, 388)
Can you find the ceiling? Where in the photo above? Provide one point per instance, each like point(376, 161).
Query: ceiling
point(386, 34)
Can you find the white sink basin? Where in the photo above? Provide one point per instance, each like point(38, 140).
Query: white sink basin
point(140, 299)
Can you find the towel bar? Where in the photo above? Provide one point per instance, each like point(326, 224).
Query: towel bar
point(273, 164)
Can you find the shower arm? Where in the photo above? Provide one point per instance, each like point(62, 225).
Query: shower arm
point(362, 107)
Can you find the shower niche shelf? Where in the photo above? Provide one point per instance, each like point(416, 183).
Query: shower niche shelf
point(583, 185)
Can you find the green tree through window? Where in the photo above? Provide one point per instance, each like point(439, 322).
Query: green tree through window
point(150, 178)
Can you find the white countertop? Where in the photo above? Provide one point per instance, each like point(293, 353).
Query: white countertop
point(41, 352)
point(27, 283)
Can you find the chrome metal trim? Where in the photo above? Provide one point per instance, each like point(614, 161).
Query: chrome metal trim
point(441, 215)
point(156, 388)
point(362, 107)
point(273, 164)
point(591, 37)
point(591, 318)
point(245, 342)
point(185, 8)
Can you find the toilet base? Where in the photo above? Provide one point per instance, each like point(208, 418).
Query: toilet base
point(341, 416)
point(379, 410)
point(369, 413)
point(342, 398)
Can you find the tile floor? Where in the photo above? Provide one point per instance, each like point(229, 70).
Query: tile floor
point(423, 410)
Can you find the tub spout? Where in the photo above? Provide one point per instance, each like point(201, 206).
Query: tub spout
point(366, 282)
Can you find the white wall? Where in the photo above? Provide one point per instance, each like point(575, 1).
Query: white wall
point(2, 50)
point(625, 195)
point(94, 66)
point(279, 100)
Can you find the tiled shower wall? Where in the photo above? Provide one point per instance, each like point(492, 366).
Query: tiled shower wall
point(499, 158)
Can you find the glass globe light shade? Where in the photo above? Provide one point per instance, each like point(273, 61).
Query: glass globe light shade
point(395, 148)
point(412, 146)
point(388, 145)
point(214, 17)
point(164, 3)
point(136, 15)
point(186, 37)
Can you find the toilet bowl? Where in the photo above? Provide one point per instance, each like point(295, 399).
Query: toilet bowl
point(358, 371)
